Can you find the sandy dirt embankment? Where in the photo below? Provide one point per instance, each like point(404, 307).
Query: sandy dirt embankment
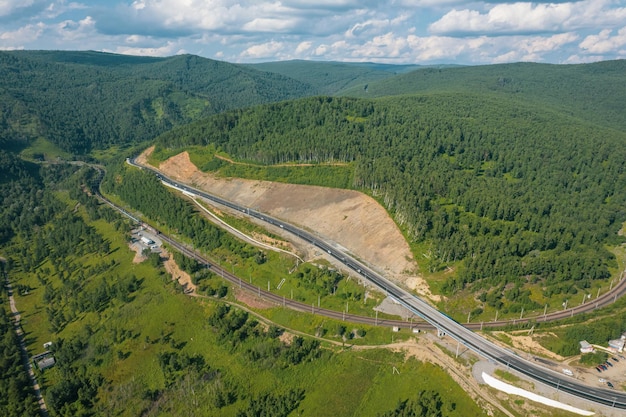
point(351, 219)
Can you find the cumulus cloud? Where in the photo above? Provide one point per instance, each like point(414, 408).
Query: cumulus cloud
point(271, 25)
point(327, 4)
point(604, 42)
point(59, 8)
point(303, 47)
point(395, 48)
point(225, 16)
point(23, 35)
point(8, 7)
point(400, 31)
point(505, 19)
point(375, 25)
point(168, 49)
point(264, 50)
point(526, 17)
point(70, 30)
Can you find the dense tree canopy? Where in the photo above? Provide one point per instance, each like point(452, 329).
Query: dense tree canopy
point(88, 100)
point(16, 394)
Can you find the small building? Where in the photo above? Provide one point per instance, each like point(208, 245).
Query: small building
point(147, 240)
point(586, 347)
point(46, 363)
point(618, 344)
point(395, 328)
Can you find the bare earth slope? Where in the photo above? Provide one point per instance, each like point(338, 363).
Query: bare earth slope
point(353, 220)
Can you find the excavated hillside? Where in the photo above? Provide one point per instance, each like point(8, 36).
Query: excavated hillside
point(349, 218)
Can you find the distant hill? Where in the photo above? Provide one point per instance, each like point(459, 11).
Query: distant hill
point(593, 92)
point(89, 100)
point(333, 77)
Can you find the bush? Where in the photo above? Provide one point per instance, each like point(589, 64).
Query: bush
point(593, 358)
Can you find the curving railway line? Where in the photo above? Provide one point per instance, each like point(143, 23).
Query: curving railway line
point(463, 334)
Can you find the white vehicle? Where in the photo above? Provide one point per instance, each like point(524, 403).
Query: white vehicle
point(568, 372)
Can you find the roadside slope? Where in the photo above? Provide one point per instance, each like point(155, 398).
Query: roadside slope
point(349, 218)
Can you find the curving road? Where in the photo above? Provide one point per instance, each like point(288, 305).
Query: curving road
point(424, 310)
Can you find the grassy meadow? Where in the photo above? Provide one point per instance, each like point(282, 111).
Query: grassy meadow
point(124, 341)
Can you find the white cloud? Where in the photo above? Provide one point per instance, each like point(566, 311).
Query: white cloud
point(604, 42)
point(303, 47)
point(526, 17)
point(60, 7)
point(214, 15)
point(23, 35)
point(577, 59)
point(429, 3)
point(393, 48)
point(70, 30)
point(321, 50)
point(505, 18)
point(317, 4)
point(399, 31)
point(375, 25)
point(168, 49)
point(271, 25)
point(264, 50)
point(8, 7)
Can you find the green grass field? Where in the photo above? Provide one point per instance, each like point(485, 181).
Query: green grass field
point(125, 339)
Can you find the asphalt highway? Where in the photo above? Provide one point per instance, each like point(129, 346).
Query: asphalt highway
point(414, 304)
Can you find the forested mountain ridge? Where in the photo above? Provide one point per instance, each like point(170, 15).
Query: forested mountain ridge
point(505, 192)
point(89, 100)
point(330, 78)
point(594, 92)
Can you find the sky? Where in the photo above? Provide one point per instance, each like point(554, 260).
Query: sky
point(422, 32)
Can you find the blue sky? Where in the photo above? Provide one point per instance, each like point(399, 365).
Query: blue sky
point(396, 31)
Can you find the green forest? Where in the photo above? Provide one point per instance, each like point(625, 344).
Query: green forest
point(83, 101)
point(127, 342)
point(592, 92)
point(505, 193)
point(506, 180)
